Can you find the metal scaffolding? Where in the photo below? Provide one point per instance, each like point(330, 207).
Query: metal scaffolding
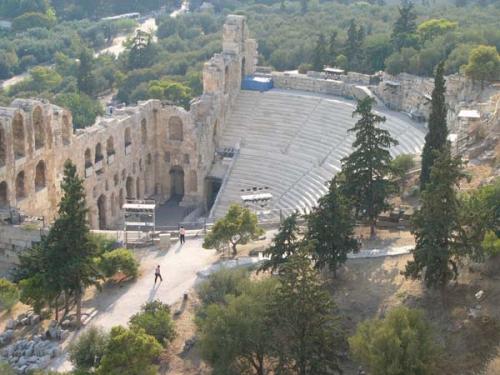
point(139, 221)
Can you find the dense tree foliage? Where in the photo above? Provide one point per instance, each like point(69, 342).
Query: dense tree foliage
point(437, 137)
point(365, 171)
point(436, 225)
point(155, 319)
point(330, 228)
point(9, 294)
point(484, 64)
point(400, 344)
point(239, 226)
point(87, 351)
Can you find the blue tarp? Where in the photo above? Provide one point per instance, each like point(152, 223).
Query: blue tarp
point(257, 83)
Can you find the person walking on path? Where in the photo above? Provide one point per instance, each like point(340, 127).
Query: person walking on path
point(182, 235)
point(158, 274)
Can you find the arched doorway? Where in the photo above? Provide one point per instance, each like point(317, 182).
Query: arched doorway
point(101, 209)
point(175, 131)
point(38, 127)
point(4, 195)
point(18, 133)
point(177, 182)
point(138, 190)
point(129, 186)
point(243, 72)
point(20, 189)
point(40, 180)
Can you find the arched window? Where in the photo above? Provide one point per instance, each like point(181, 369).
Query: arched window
point(40, 180)
point(226, 79)
point(175, 132)
point(130, 188)
point(193, 181)
point(20, 189)
point(121, 201)
point(144, 132)
point(148, 159)
point(138, 190)
point(4, 194)
point(113, 205)
point(67, 130)
point(3, 148)
point(98, 152)
point(110, 146)
point(128, 138)
point(116, 179)
point(38, 127)
point(88, 158)
point(19, 139)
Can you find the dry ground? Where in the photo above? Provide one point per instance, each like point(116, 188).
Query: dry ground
point(368, 288)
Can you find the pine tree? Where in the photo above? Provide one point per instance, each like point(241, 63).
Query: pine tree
point(70, 249)
point(285, 244)
point(404, 33)
point(332, 48)
point(331, 229)
point(319, 54)
point(354, 42)
point(436, 138)
point(85, 78)
point(366, 169)
point(306, 329)
point(436, 225)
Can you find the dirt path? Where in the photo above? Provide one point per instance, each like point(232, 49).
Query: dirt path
point(117, 303)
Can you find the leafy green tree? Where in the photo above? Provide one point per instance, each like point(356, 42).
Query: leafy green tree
point(222, 283)
point(239, 226)
point(14, 8)
point(400, 344)
point(332, 48)
point(83, 108)
point(479, 216)
point(87, 351)
point(9, 294)
point(436, 137)
point(129, 352)
point(68, 245)
point(405, 28)
point(341, 61)
point(237, 337)
point(491, 243)
point(155, 319)
point(319, 54)
point(304, 6)
point(119, 260)
point(31, 20)
point(307, 331)
point(434, 27)
point(353, 44)
point(141, 51)
point(175, 92)
point(285, 243)
point(401, 165)
point(85, 77)
point(366, 169)
point(436, 225)
point(484, 64)
point(331, 229)
point(377, 48)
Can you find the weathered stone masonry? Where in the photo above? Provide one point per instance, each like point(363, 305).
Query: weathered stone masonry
point(148, 150)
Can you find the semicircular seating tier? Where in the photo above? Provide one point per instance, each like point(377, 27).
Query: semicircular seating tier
point(291, 145)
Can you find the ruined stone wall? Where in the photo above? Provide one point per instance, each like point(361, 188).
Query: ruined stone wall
point(149, 150)
point(15, 239)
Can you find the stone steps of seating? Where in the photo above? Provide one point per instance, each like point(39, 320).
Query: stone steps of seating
point(293, 144)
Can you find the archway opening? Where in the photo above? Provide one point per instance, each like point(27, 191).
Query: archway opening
point(113, 205)
point(144, 132)
point(38, 126)
point(67, 130)
point(128, 137)
point(138, 190)
point(175, 131)
point(19, 139)
point(110, 146)
point(4, 195)
point(40, 179)
point(3, 148)
point(177, 182)
point(88, 158)
point(101, 210)
point(98, 152)
point(20, 188)
point(226, 79)
point(129, 186)
point(243, 72)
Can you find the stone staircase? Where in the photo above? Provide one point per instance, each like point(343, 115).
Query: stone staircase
point(292, 144)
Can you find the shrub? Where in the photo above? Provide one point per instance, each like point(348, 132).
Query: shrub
point(5, 369)
point(156, 321)
point(402, 343)
point(9, 294)
point(221, 283)
point(87, 351)
point(119, 260)
point(129, 352)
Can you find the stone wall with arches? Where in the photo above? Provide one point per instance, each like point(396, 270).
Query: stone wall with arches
point(152, 149)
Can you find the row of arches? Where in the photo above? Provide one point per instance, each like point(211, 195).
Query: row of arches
point(39, 183)
point(21, 135)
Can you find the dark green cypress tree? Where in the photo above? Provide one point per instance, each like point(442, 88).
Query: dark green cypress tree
point(85, 78)
point(436, 138)
point(319, 54)
point(332, 48)
point(366, 169)
point(353, 44)
point(331, 229)
point(404, 33)
point(436, 225)
point(70, 249)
